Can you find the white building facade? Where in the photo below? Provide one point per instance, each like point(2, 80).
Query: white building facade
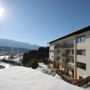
point(71, 53)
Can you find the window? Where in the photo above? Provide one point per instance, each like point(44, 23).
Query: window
point(81, 65)
point(57, 58)
point(51, 51)
point(67, 60)
point(81, 52)
point(78, 40)
point(69, 52)
point(57, 45)
point(81, 39)
point(72, 60)
point(58, 51)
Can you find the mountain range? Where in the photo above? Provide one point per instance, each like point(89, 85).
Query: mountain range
point(17, 44)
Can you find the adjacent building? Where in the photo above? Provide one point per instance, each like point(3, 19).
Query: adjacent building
point(71, 54)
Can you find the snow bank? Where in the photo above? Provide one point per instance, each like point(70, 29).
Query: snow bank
point(21, 78)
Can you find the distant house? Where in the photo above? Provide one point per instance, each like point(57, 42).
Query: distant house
point(71, 53)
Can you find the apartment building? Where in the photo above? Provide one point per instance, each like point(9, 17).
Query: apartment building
point(71, 53)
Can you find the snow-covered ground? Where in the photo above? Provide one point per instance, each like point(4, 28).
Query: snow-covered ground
point(88, 88)
point(4, 57)
point(57, 76)
point(18, 58)
point(5, 65)
point(21, 78)
point(42, 67)
point(7, 57)
point(8, 65)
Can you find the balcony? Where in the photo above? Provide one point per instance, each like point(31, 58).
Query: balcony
point(57, 46)
point(67, 56)
point(57, 58)
point(67, 46)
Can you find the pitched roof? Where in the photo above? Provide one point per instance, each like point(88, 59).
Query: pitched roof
point(73, 33)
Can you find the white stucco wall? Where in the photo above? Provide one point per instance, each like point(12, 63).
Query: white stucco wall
point(84, 59)
point(51, 54)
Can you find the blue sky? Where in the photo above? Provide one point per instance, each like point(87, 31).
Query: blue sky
point(41, 21)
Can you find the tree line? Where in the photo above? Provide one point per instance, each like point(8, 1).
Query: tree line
point(32, 58)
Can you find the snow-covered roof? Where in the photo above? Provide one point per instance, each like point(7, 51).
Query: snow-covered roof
point(21, 78)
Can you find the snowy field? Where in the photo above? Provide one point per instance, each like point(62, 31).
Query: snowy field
point(21, 78)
